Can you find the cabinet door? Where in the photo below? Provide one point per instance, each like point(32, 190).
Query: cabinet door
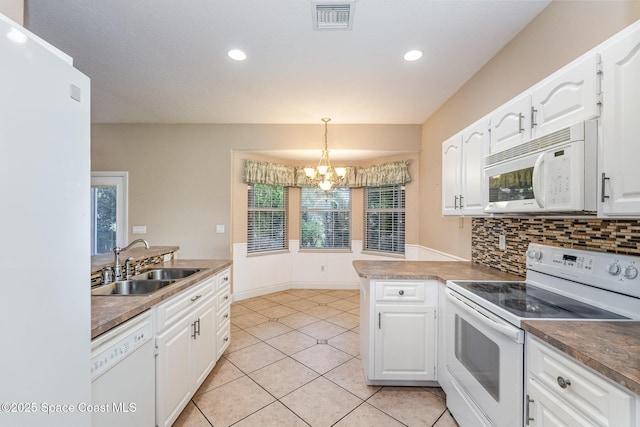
point(204, 345)
point(475, 145)
point(545, 410)
point(451, 161)
point(621, 126)
point(583, 391)
point(511, 124)
point(173, 371)
point(405, 342)
point(566, 98)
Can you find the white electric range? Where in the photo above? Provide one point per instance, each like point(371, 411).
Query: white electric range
point(485, 343)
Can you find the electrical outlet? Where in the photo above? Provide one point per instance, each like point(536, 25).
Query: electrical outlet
point(502, 242)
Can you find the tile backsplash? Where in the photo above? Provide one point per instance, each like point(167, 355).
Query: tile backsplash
point(618, 236)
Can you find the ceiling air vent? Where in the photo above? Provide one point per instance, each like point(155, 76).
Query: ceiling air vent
point(332, 15)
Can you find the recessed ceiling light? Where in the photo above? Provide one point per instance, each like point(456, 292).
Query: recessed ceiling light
point(237, 54)
point(413, 55)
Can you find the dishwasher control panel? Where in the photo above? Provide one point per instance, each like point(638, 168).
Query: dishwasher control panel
point(109, 349)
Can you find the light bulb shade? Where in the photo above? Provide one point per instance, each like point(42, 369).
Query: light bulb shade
point(325, 185)
point(322, 169)
point(310, 172)
point(341, 172)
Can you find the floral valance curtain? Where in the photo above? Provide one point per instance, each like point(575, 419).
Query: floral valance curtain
point(392, 173)
point(269, 173)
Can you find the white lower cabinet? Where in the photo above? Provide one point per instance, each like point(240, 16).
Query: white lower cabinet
point(398, 331)
point(186, 348)
point(561, 391)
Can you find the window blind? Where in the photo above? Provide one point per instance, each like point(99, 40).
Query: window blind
point(267, 218)
point(384, 219)
point(325, 218)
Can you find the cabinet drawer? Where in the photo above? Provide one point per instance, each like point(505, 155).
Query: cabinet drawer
point(589, 393)
point(400, 291)
point(224, 295)
point(179, 305)
point(224, 316)
point(223, 278)
point(224, 338)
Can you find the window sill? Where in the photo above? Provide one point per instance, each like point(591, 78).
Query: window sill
point(387, 254)
point(325, 250)
point(276, 252)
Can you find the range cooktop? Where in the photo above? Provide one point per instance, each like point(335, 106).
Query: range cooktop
point(529, 301)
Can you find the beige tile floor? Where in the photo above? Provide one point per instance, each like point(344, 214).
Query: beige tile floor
point(293, 361)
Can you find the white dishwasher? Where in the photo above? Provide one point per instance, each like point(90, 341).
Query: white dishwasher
point(123, 375)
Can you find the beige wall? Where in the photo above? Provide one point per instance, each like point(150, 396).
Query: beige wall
point(14, 9)
point(185, 179)
point(562, 32)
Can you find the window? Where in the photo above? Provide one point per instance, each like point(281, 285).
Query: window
point(325, 218)
point(108, 211)
point(384, 219)
point(267, 220)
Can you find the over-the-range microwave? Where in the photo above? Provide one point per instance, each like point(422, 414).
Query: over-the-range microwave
point(552, 174)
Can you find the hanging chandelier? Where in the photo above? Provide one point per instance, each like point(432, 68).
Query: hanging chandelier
point(324, 175)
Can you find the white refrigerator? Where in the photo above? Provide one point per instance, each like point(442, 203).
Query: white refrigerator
point(44, 234)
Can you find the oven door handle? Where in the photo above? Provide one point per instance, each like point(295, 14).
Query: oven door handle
point(515, 334)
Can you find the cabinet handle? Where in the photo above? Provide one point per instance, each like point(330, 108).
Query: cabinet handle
point(226, 278)
point(455, 202)
point(401, 292)
point(195, 298)
point(193, 335)
point(527, 410)
point(563, 383)
point(603, 195)
point(533, 117)
point(226, 297)
point(461, 197)
point(226, 316)
point(521, 123)
point(379, 320)
point(226, 339)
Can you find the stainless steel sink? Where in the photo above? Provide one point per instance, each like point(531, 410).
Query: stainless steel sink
point(166, 274)
point(131, 287)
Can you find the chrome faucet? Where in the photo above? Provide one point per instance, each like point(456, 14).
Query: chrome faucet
point(117, 268)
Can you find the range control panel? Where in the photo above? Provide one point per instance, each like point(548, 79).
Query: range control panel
point(610, 271)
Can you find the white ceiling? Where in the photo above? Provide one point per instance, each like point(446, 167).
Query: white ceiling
point(164, 61)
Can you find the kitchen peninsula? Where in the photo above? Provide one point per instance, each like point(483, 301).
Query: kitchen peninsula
point(400, 304)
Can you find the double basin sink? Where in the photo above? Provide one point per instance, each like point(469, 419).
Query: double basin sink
point(145, 282)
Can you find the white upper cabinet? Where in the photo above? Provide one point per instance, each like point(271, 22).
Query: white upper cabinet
point(567, 97)
point(620, 148)
point(462, 170)
point(511, 123)
point(475, 145)
point(451, 164)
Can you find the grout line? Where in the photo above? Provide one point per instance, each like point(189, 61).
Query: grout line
point(318, 342)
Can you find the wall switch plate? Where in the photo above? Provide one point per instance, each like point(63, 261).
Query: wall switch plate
point(139, 229)
point(220, 228)
point(502, 242)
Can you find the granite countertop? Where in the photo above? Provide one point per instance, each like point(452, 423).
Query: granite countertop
point(610, 348)
point(429, 270)
point(108, 312)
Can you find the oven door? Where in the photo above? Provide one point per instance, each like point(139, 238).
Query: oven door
point(485, 358)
